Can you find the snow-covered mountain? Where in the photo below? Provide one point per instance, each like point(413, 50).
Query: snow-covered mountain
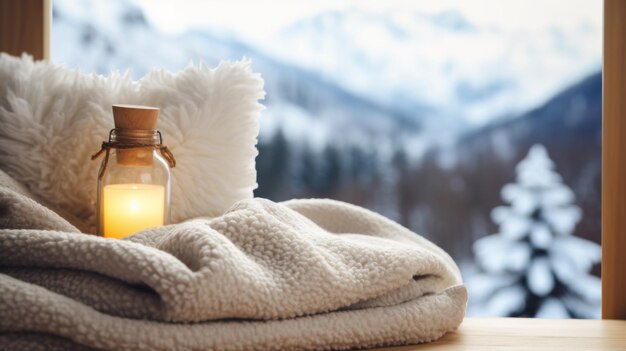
point(419, 79)
point(463, 72)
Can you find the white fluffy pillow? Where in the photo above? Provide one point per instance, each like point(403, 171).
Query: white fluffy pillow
point(53, 118)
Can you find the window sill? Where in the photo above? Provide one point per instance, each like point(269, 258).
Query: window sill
point(529, 334)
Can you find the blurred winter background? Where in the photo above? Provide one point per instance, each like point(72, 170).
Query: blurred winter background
point(419, 110)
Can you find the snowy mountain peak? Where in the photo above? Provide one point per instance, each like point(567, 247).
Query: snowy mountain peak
point(464, 72)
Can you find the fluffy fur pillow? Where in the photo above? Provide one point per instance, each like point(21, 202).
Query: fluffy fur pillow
point(53, 118)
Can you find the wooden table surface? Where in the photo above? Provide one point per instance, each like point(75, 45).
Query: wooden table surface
point(482, 334)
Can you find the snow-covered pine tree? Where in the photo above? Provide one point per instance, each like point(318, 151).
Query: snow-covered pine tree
point(534, 266)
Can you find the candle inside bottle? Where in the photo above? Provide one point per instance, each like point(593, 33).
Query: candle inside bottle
point(129, 208)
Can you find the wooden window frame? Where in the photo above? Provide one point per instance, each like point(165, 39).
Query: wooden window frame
point(25, 27)
point(614, 161)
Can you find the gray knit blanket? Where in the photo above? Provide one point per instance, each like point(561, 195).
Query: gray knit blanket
point(303, 274)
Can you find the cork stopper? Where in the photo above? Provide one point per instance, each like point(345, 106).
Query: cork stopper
point(135, 117)
point(129, 119)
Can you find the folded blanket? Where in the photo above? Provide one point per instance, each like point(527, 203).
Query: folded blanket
point(304, 274)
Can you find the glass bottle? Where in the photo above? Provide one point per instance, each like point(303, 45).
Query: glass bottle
point(134, 179)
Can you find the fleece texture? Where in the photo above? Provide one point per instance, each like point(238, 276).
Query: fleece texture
point(304, 274)
point(18, 210)
point(53, 118)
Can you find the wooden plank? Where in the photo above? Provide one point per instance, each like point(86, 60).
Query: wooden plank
point(614, 162)
point(25, 27)
point(479, 334)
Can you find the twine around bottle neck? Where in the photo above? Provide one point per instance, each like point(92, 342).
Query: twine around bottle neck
point(133, 139)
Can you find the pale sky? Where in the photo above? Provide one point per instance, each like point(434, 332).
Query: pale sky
point(255, 19)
